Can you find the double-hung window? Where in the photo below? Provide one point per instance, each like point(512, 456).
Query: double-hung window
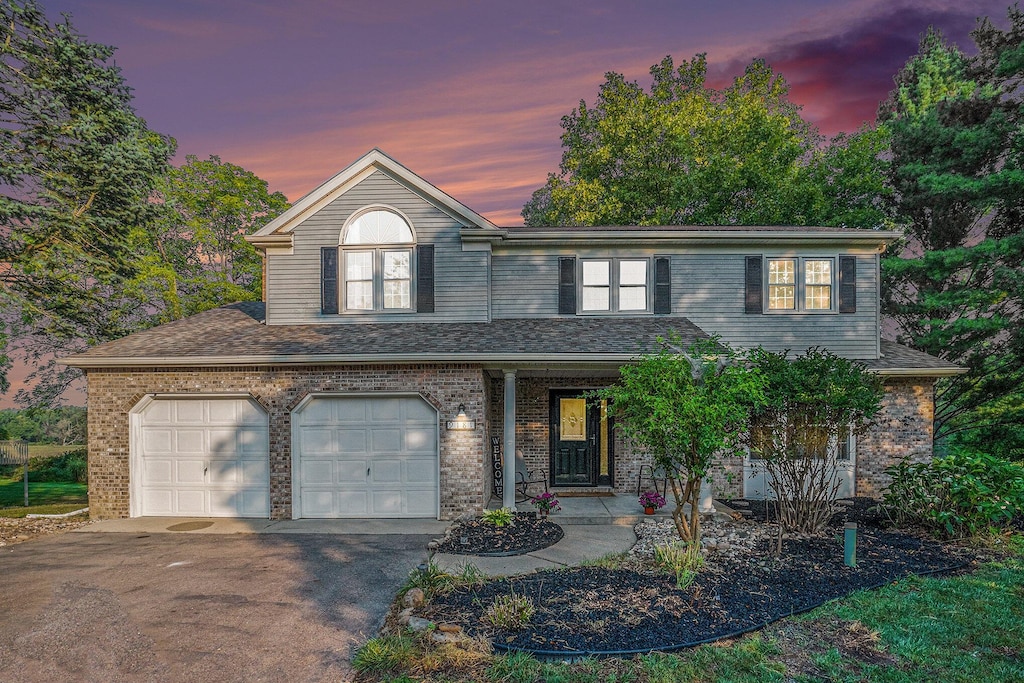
point(801, 284)
point(615, 285)
point(377, 262)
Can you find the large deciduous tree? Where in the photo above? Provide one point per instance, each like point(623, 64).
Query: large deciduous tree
point(956, 288)
point(686, 153)
point(686, 406)
point(77, 168)
point(197, 255)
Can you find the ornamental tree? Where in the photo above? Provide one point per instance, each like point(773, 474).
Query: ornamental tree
point(811, 403)
point(686, 406)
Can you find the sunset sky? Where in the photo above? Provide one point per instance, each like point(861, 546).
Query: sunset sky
point(469, 95)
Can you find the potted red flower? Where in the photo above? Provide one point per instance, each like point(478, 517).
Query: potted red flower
point(651, 501)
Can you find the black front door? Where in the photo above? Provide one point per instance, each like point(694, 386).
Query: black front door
point(580, 441)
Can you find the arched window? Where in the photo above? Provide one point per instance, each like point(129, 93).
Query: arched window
point(377, 248)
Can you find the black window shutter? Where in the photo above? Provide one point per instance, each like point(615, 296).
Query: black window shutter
point(567, 285)
point(755, 284)
point(662, 286)
point(847, 284)
point(328, 280)
point(425, 278)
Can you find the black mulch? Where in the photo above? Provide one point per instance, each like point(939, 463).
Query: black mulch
point(593, 609)
point(477, 537)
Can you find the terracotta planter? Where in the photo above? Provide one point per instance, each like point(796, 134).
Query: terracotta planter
point(649, 511)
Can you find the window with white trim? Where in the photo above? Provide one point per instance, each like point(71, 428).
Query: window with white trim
point(801, 284)
point(377, 262)
point(615, 285)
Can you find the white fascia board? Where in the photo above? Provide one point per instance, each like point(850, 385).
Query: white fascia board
point(342, 359)
point(358, 170)
point(877, 241)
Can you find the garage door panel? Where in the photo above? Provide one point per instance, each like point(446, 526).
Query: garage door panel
point(420, 440)
point(421, 502)
point(189, 412)
point(189, 441)
point(352, 471)
point(315, 472)
point(254, 472)
point(191, 503)
point(386, 471)
point(203, 457)
point(420, 470)
point(384, 451)
point(386, 440)
point(158, 472)
point(352, 441)
point(189, 471)
point(158, 441)
point(386, 409)
point(223, 472)
point(388, 502)
point(252, 442)
point(158, 502)
point(318, 504)
point(317, 441)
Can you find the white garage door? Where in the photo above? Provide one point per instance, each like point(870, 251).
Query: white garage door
point(203, 457)
point(359, 456)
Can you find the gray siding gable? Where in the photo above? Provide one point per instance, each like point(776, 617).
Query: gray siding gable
point(461, 278)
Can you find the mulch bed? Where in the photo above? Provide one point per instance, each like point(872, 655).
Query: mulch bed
point(526, 534)
point(600, 610)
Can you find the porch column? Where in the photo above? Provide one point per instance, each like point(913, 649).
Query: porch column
point(508, 475)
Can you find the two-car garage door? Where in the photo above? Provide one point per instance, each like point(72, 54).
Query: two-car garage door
point(353, 456)
point(365, 456)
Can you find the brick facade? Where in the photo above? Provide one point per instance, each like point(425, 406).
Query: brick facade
point(113, 394)
point(903, 430)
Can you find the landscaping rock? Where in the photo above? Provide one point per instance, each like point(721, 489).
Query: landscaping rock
point(419, 624)
point(414, 598)
point(449, 628)
point(19, 530)
point(404, 616)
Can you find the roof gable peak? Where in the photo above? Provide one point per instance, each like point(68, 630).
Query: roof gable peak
point(374, 160)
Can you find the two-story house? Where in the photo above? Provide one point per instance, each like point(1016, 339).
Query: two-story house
point(403, 334)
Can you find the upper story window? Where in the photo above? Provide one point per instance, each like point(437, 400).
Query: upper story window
point(377, 250)
point(614, 285)
point(800, 284)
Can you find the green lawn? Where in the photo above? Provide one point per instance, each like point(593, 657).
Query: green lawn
point(964, 628)
point(66, 494)
point(49, 450)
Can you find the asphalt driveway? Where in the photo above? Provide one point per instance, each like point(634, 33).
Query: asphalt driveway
point(193, 607)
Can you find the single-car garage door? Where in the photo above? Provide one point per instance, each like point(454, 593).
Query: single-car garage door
point(365, 456)
point(202, 457)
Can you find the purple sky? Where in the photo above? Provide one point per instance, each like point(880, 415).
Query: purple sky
point(469, 95)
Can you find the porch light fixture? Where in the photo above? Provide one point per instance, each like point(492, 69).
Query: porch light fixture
point(461, 421)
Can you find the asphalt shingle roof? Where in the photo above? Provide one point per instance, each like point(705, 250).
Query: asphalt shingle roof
point(235, 334)
point(237, 331)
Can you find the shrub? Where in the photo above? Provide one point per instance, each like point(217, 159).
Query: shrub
point(682, 559)
point(70, 466)
point(510, 612)
point(963, 494)
point(499, 517)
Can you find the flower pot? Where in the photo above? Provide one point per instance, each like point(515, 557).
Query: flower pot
point(649, 510)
